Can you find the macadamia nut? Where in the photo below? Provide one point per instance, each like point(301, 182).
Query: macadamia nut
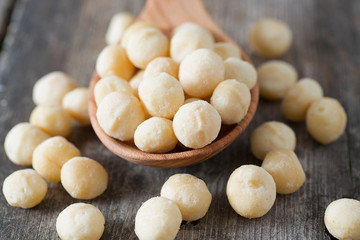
point(133, 28)
point(326, 120)
point(119, 114)
point(52, 119)
point(227, 50)
point(240, 70)
point(251, 191)
point(80, 221)
point(52, 87)
point(145, 45)
point(232, 100)
point(118, 24)
point(162, 64)
point(113, 60)
point(270, 136)
point(284, 166)
point(76, 104)
point(50, 156)
point(157, 218)
point(196, 124)
point(84, 178)
point(155, 135)
point(299, 98)
point(21, 141)
point(189, 193)
point(24, 188)
point(110, 84)
point(188, 37)
point(342, 218)
point(135, 82)
point(270, 38)
point(200, 72)
point(275, 79)
point(162, 95)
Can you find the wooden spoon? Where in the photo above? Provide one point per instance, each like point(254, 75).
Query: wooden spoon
point(167, 14)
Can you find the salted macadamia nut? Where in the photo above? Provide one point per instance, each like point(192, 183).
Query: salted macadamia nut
point(145, 45)
point(52, 87)
point(188, 37)
point(275, 79)
point(118, 24)
point(299, 97)
point(135, 82)
point(270, 38)
point(155, 135)
point(113, 60)
point(227, 50)
point(342, 218)
point(80, 221)
point(189, 100)
point(251, 191)
point(110, 84)
point(232, 100)
point(162, 95)
point(240, 70)
point(200, 72)
point(157, 218)
point(326, 120)
point(52, 119)
point(189, 193)
point(84, 178)
point(284, 166)
point(76, 104)
point(50, 156)
point(196, 124)
point(24, 188)
point(270, 136)
point(161, 64)
point(133, 28)
point(119, 114)
point(21, 141)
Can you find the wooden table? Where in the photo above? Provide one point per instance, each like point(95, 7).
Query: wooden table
point(43, 36)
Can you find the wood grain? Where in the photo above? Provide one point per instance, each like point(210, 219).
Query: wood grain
point(67, 35)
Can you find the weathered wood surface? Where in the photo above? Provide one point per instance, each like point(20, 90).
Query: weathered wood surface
point(67, 35)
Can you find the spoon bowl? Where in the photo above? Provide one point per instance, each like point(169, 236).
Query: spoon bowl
point(168, 14)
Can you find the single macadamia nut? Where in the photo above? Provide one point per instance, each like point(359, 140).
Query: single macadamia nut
point(157, 218)
point(113, 60)
point(232, 100)
point(24, 188)
point(119, 114)
point(76, 104)
point(284, 166)
point(135, 81)
point(275, 79)
point(145, 45)
point(342, 218)
point(326, 120)
point(51, 155)
point(52, 87)
point(118, 24)
point(155, 135)
point(240, 70)
point(189, 193)
point(52, 119)
point(80, 221)
point(251, 191)
point(270, 136)
point(299, 98)
point(21, 141)
point(133, 28)
point(84, 178)
point(110, 84)
point(188, 37)
point(227, 50)
point(196, 124)
point(162, 95)
point(200, 72)
point(270, 38)
point(162, 64)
